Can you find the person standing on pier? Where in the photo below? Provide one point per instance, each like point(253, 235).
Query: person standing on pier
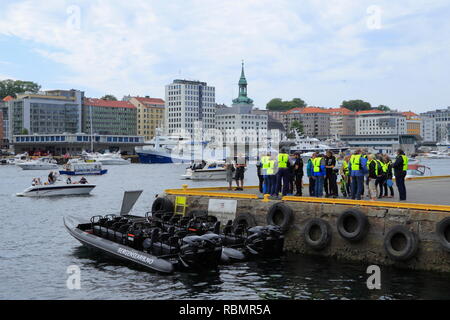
point(229, 168)
point(358, 168)
point(373, 176)
point(298, 174)
point(319, 174)
point(400, 167)
point(240, 170)
point(330, 182)
point(387, 170)
point(265, 165)
point(283, 173)
point(310, 174)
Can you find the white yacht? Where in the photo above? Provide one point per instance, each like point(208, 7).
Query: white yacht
point(178, 149)
point(206, 170)
point(38, 164)
point(107, 158)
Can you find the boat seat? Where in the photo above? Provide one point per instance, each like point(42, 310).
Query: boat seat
point(181, 234)
point(171, 230)
point(228, 229)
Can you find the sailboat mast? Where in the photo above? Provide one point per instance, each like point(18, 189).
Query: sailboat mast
point(92, 134)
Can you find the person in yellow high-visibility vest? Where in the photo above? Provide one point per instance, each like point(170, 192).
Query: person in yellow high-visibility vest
point(400, 167)
point(283, 172)
point(265, 166)
point(271, 177)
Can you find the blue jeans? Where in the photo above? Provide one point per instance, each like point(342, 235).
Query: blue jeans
point(266, 184)
point(318, 187)
point(357, 187)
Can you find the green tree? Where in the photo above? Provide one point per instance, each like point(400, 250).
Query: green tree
point(24, 131)
point(277, 104)
point(12, 88)
point(109, 97)
point(383, 108)
point(356, 105)
point(297, 125)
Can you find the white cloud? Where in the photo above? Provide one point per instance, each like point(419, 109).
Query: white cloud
point(292, 48)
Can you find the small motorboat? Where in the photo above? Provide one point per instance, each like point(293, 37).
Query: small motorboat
point(38, 164)
point(47, 190)
point(76, 167)
point(417, 170)
point(206, 170)
point(136, 240)
point(142, 241)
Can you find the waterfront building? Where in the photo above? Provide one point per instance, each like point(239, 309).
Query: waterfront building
point(429, 130)
point(388, 143)
point(342, 122)
point(315, 121)
point(109, 117)
point(413, 123)
point(150, 115)
point(48, 112)
point(442, 123)
point(74, 144)
point(376, 122)
point(189, 104)
point(241, 117)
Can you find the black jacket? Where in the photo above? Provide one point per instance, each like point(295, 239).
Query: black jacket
point(398, 165)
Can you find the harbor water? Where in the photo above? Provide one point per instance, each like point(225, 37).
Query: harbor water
point(36, 250)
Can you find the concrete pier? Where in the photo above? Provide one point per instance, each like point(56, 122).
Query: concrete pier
point(428, 204)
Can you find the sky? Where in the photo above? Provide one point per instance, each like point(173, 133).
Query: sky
point(395, 53)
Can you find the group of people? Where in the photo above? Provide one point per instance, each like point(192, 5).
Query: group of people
point(280, 173)
point(53, 177)
point(236, 171)
point(357, 172)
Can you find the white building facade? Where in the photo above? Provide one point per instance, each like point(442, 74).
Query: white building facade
point(428, 129)
point(389, 123)
point(442, 123)
point(189, 104)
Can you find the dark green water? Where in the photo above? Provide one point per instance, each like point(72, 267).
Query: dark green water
point(35, 251)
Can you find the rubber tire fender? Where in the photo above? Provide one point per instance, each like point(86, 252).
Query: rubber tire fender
point(244, 218)
point(362, 225)
point(162, 204)
point(443, 233)
point(325, 233)
point(287, 216)
point(410, 249)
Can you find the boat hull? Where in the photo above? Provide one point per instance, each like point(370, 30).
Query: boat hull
point(116, 250)
point(206, 175)
point(160, 158)
point(25, 166)
point(113, 162)
point(83, 173)
point(60, 190)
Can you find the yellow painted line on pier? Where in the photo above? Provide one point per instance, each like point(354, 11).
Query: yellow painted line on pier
point(190, 192)
point(427, 178)
point(385, 204)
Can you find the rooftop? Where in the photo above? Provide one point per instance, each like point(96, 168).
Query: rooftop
point(107, 103)
point(147, 101)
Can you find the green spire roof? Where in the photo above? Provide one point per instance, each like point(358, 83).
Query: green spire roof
point(243, 89)
point(242, 80)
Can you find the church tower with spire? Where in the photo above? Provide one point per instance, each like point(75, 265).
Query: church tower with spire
point(243, 103)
